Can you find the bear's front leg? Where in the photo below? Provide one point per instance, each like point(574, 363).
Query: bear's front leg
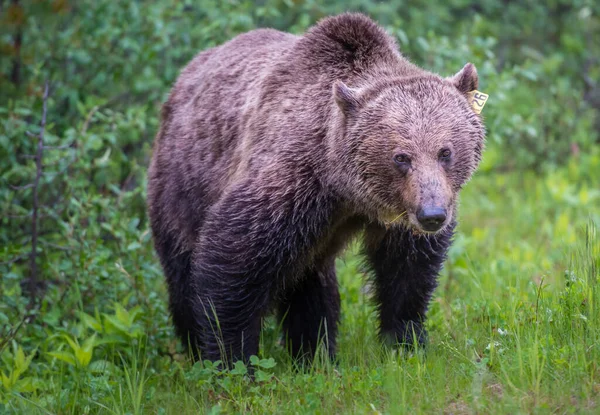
point(254, 242)
point(309, 312)
point(230, 300)
point(405, 267)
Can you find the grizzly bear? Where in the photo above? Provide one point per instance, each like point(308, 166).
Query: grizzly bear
point(274, 150)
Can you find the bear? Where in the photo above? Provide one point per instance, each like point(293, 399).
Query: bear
point(275, 150)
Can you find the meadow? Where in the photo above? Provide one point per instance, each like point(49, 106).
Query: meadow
point(84, 329)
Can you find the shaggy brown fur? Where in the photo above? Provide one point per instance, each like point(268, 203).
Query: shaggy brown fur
point(274, 150)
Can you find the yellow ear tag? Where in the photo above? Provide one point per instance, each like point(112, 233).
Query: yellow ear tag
point(477, 100)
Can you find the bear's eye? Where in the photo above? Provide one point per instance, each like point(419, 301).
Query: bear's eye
point(402, 159)
point(445, 154)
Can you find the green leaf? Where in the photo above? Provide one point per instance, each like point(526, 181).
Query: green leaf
point(72, 342)
point(6, 381)
point(103, 161)
point(112, 339)
point(21, 362)
point(133, 246)
point(90, 321)
point(239, 368)
point(64, 356)
point(122, 315)
point(19, 359)
point(267, 363)
point(261, 376)
point(254, 360)
point(27, 384)
point(85, 353)
point(103, 366)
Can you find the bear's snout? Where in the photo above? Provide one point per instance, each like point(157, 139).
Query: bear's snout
point(432, 218)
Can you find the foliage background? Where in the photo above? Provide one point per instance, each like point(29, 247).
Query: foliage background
point(96, 336)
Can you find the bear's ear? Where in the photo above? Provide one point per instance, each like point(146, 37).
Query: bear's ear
point(466, 80)
point(346, 98)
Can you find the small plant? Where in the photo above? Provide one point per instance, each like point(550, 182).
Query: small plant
point(79, 355)
point(16, 364)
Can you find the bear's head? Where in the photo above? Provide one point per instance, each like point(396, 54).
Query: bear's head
point(408, 146)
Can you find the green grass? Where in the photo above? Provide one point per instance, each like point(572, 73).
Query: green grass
point(514, 328)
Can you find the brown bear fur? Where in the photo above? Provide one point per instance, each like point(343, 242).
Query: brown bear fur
point(274, 150)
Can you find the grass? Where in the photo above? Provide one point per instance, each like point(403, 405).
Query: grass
point(514, 328)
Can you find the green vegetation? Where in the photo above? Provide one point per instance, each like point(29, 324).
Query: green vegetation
point(515, 325)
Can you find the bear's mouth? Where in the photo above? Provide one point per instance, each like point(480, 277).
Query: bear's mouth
point(408, 220)
point(418, 227)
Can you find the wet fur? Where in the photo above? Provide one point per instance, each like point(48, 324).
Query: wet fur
point(272, 154)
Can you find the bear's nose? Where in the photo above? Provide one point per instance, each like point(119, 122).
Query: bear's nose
point(431, 218)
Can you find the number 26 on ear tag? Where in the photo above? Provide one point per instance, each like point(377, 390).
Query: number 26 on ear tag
point(477, 99)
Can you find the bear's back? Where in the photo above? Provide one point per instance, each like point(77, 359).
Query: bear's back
point(261, 99)
point(195, 149)
point(216, 84)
